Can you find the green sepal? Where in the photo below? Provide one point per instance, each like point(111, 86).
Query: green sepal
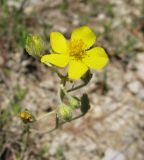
point(74, 102)
point(65, 112)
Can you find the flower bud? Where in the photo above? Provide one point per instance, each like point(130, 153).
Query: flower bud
point(26, 117)
point(85, 104)
point(34, 45)
point(65, 112)
point(74, 102)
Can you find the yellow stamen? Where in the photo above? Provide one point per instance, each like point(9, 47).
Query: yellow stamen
point(77, 49)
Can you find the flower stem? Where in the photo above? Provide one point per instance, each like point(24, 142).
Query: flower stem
point(56, 71)
point(58, 124)
point(59, 94)
point(77, 87)
point(46, 115)
point(64, 91)
point(77, 117)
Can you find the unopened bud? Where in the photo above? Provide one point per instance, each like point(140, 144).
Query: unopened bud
point(65, 112)
point(74, 102)
point(34, 45)
point(26, 117)
point(85, 104)
point(87, 77)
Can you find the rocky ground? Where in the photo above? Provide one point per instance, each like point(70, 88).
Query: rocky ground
point(113, 128)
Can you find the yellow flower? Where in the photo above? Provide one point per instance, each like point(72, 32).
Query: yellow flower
point(76, 52)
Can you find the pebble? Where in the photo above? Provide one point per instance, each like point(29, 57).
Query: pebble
point(1, 61)
point(135, 86)
point(140, 66)
point(98, 111)
point(141, 94)
point(111, 154)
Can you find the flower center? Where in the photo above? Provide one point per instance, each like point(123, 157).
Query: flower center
point(77, 49)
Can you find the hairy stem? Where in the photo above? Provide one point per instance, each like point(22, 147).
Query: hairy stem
point(77, 87)
point(45, 115)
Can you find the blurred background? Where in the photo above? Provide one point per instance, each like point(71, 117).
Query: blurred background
point(113, 129)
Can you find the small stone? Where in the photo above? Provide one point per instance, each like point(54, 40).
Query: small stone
point(101, 17)
point(140, 66)
point(135, 86)
point(140, 57)
point(141, 94)
point(129, 77)
point(113, 154)
point(98, 112)
point(1, 61)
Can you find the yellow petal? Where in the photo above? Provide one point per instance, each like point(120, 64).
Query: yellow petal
point(85, 34)
point(60, 60)
point(76, 69)
point(58, 42)
point(96, 58)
